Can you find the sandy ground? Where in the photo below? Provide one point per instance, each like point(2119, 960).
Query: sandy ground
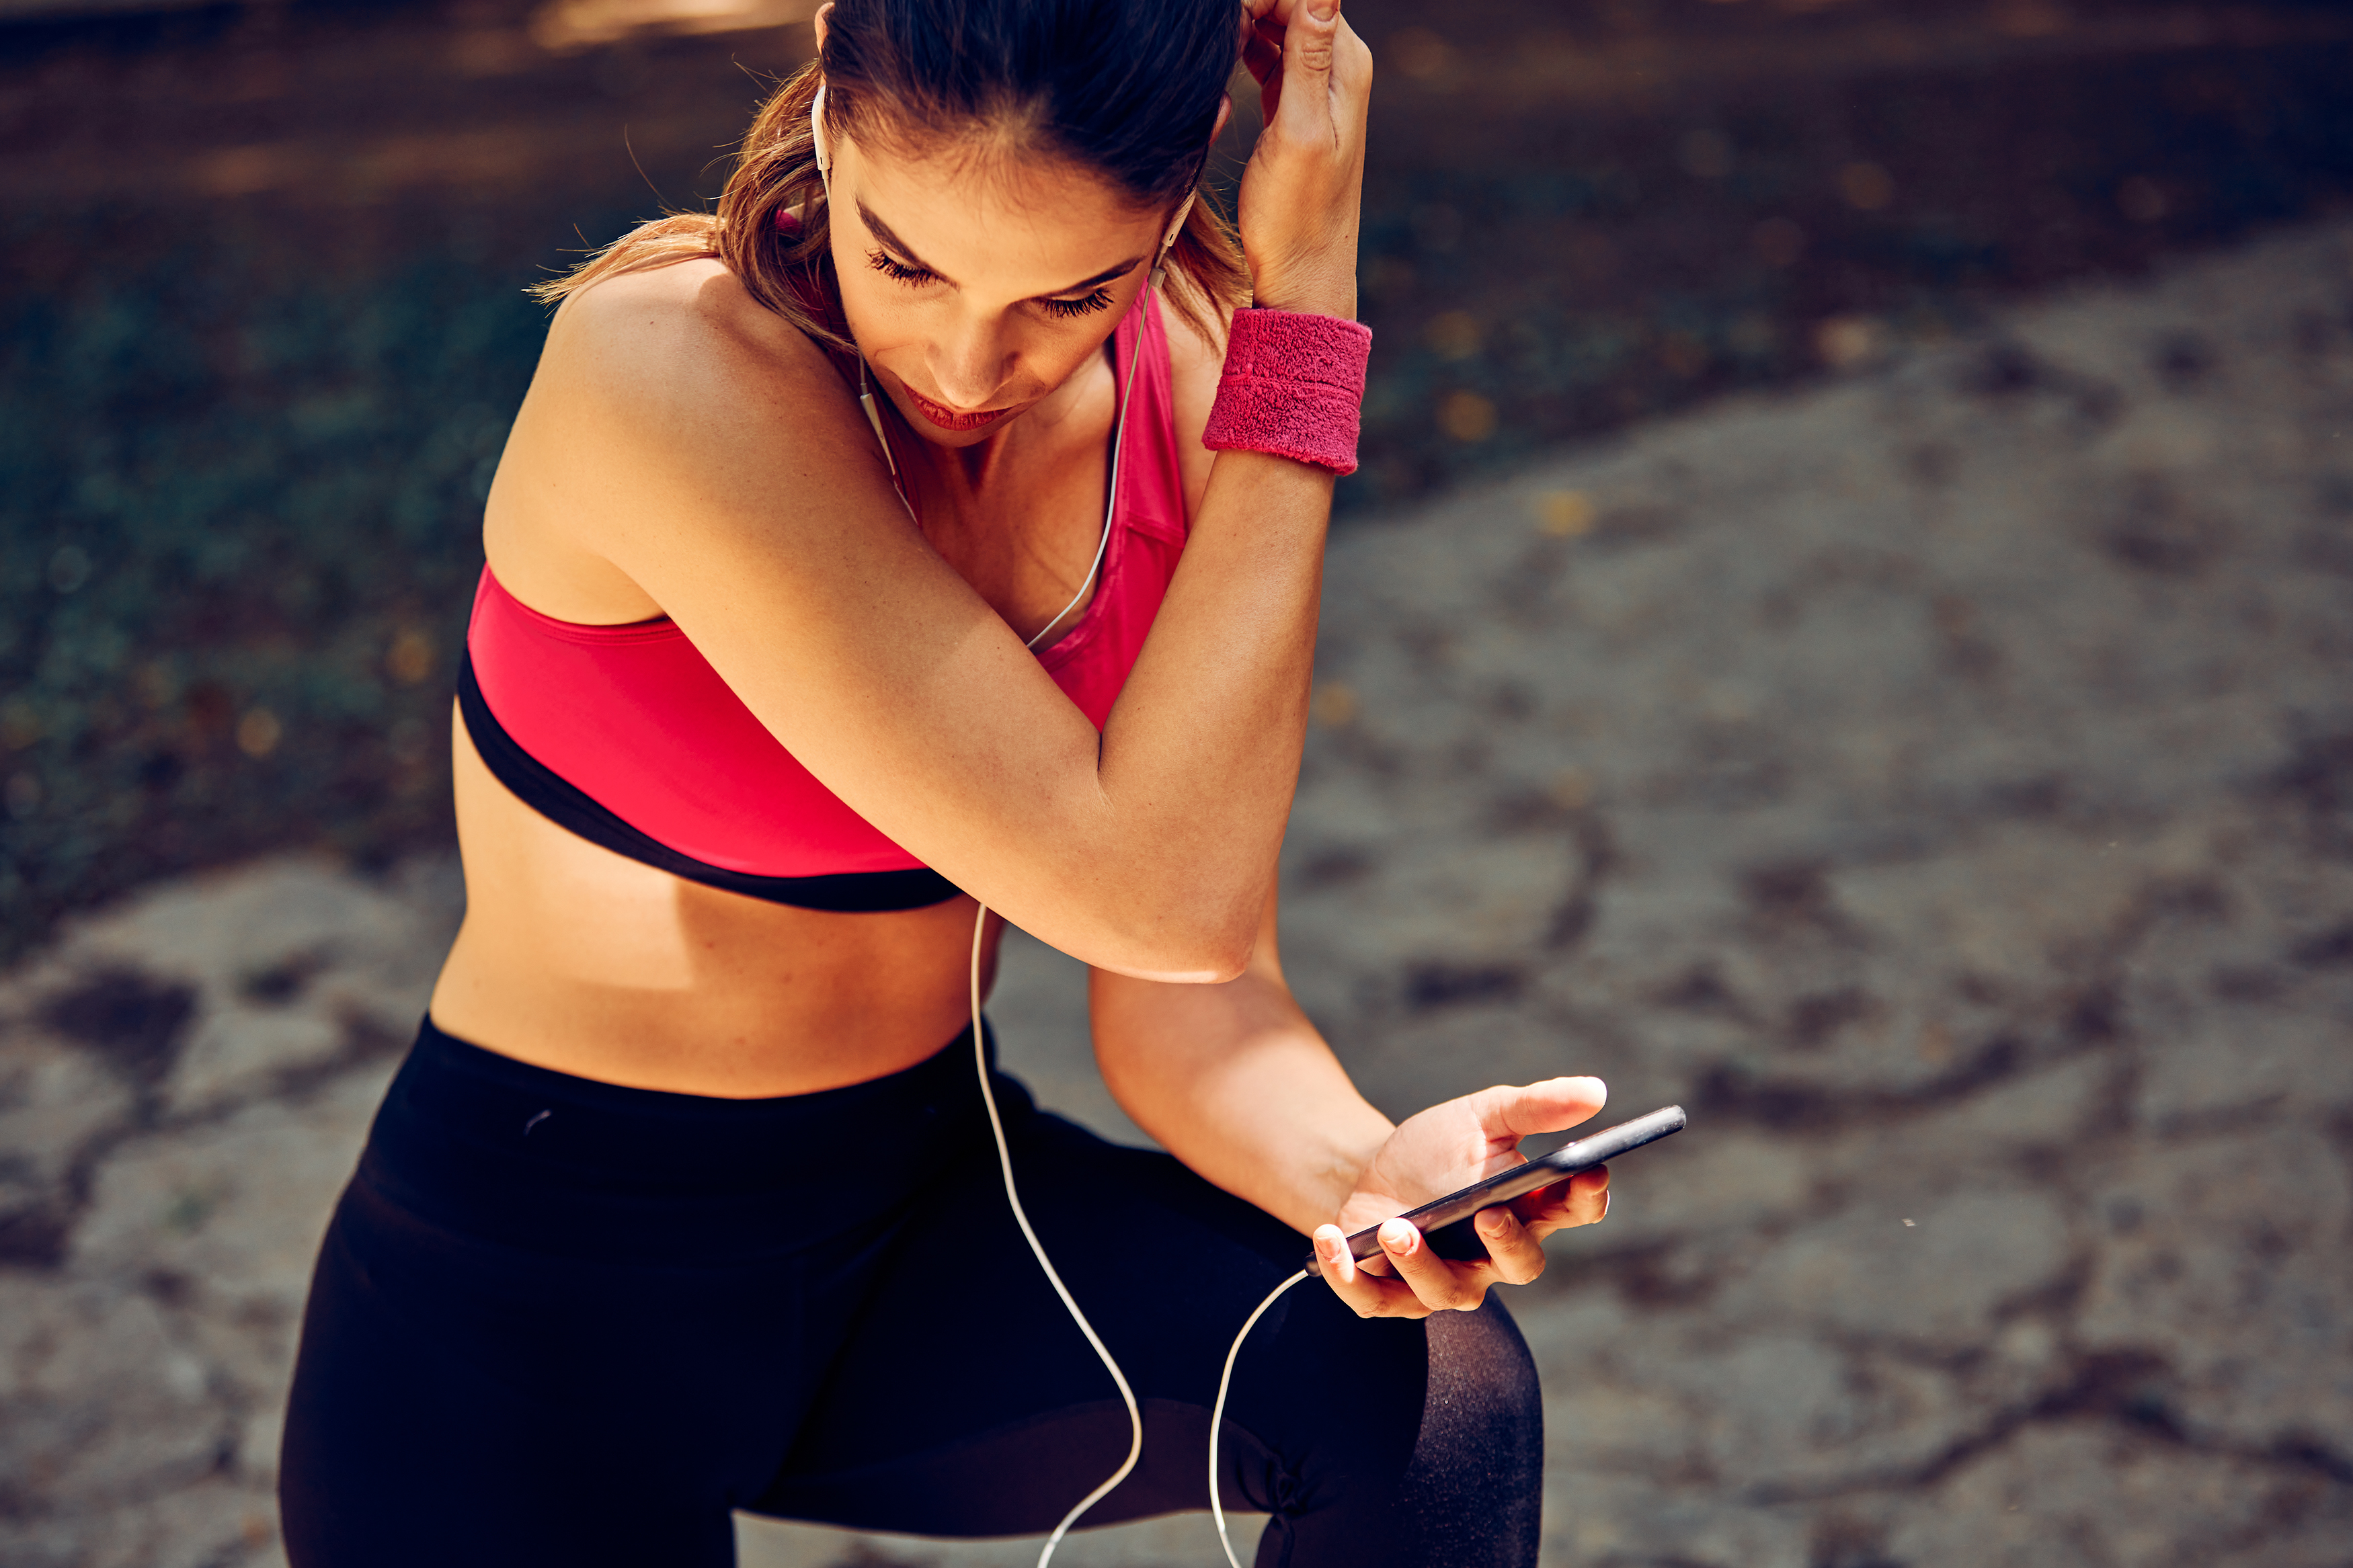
point(1941, 783)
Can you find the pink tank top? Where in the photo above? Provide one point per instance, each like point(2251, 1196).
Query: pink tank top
point(627, 736)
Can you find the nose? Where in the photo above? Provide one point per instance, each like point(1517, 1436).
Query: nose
point(971, 361)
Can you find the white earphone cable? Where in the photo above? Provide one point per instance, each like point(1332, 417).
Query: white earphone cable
point(1119, 431)
point(1069, 1303)
point(980, 927)
point(1013, 1197)
point(997, 1127)
point(1217, 1411)
point(1110, 510)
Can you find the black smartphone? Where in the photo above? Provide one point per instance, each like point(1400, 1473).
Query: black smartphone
point(1445, 1223)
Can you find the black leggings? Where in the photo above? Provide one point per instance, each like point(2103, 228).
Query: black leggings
point(558, 1321)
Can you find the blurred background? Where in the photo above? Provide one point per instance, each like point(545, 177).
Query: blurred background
point(1843, 617)
point(264, 329)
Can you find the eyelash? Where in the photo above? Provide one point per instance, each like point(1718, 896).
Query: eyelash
point(898, 271)
point(1070, 310)
point(915, 276)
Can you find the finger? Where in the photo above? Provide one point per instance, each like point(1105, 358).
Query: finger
point(1439, 1285)
point(1509, 1112)
point(1273, 13)
point(1264, 53)
point(1308, 40)
point(1264, 61)
point(1515, 1255)
point(1332, 1252)
point(1582, 1199)
point(1366, 1293)
point(1375, 1265)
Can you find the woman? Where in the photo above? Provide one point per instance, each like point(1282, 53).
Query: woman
point(679, 1205)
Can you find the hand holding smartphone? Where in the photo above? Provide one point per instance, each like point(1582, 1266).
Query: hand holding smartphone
point(1445, 1223)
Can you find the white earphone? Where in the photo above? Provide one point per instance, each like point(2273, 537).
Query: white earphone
point(824, 180)
point(816, 140)
point(980, 926)
point(1118, 441)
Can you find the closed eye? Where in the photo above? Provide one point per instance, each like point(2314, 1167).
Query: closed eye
point(899, 271)
point(1087, 305)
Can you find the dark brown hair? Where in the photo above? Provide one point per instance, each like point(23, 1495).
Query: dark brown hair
point(1128, 88)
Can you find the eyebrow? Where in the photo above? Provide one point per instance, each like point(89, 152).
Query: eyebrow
point(883, 232)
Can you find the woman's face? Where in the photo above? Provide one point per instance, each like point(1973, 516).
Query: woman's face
point(976, 286)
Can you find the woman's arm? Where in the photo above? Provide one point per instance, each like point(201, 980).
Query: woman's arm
point(710, 453)
point(759, 516)
point(1235, 1081)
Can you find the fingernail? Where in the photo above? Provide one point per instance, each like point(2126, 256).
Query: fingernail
point(1399, 1238)
point(1605, 1204)
point(1324, 10)
point(1332, 1248)
point(1492, 1222)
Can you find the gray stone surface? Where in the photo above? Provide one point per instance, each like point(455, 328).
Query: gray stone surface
point(1941, 782)
point(184, 1081)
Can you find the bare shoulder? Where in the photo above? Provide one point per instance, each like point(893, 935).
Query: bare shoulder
point(678, 376)
point(689, 332)
point(667, 403)
point(1194, 364)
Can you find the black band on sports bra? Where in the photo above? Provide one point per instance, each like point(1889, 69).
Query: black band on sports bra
point(563, 803)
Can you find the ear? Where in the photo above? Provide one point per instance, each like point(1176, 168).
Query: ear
point(1225, 100)
point(825, 16)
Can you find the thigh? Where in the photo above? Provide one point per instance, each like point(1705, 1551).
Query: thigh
point(461, 1403)
point(964, 1402)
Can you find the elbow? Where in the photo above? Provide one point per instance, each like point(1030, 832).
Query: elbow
point(1182, 927)
point(1226, 965)
point(1185, 953)
point(1205, 965)
point(1221, 948)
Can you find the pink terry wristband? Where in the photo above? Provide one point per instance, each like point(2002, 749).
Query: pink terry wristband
point(1293, 386)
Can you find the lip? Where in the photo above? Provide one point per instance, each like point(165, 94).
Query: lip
point(949, 419)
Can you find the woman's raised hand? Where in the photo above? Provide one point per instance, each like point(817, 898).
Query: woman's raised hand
point(1431, 1154)
point(1302, 190)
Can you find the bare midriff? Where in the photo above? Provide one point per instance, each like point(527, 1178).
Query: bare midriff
point(579, 960)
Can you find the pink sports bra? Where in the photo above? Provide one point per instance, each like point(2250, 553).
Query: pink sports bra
point(626, 736)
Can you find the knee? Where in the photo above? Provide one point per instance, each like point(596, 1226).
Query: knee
point(1483, 1382)
point(1472, 1494)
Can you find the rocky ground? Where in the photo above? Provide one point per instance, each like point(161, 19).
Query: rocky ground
point(1941, 783)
